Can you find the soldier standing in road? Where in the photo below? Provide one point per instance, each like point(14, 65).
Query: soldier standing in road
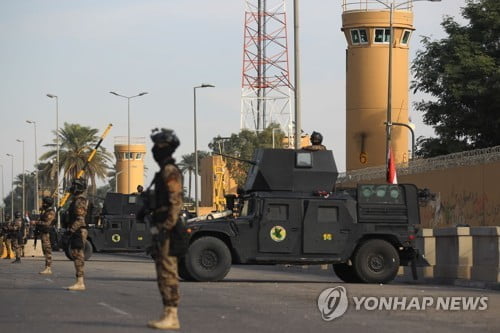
point(78, 230)
point(316, 140)
point(168, 196)
point(16, 232)
point(47, 218)
point(6, 237)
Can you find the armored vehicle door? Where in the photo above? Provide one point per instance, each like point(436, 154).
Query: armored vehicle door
point(279, 227)
point(116, 231)
point(140, 236)
point(323, 227)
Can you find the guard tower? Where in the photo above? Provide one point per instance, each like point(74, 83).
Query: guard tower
point(372, 98)
point(129, 159)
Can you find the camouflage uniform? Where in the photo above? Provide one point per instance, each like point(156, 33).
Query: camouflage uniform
point(168, 188)
point(15, 229)
point(5, 239)
point(78, 232)
point(47, 218)
point(315, 147)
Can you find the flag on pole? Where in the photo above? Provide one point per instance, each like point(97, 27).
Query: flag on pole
point(392, 177)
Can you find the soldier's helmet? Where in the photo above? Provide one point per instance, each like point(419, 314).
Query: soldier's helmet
point(316, 138)
point(48, 201)
point(18, 214)
point(78, 186)
point(165, 143)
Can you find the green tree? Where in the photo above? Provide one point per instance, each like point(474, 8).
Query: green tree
point(243, 145)
point(462, 73)
point(76, 143)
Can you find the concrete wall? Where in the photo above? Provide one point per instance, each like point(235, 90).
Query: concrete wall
point(459, 255)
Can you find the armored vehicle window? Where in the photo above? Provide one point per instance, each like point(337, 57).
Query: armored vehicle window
point(247, 208)
point(132, 199)
point(327, 214)
point(303, 160)
point(277, 212)
point(387, 194)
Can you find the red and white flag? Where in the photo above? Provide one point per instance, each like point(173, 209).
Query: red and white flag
point(392, 177)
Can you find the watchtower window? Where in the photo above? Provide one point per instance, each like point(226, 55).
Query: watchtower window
point(382, 35)
point(359, 36)
point(406, 37)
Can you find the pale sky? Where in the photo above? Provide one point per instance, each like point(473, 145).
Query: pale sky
point(81, 50)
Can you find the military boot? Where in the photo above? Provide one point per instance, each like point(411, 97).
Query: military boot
point(78, 286)
point(17, 261)
point(168, 321)
point(46, 271)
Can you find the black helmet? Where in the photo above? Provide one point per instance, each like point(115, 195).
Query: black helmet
point(18, 214)
point(78, 186)
point(316, 138)
point(165, 138)
point(48, 201)
point(165, 143)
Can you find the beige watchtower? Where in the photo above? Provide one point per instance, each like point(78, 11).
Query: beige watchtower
point(367, 28)
point(129, 161)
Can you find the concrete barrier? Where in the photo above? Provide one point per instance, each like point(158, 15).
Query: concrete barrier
point(30, 251)
point(460, 256)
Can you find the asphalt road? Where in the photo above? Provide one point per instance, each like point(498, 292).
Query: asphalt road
point(122, 296)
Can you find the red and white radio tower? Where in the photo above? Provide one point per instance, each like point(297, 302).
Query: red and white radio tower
point(266, 89)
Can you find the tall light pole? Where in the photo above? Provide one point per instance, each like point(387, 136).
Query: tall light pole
point(3, 196)
point(57, 158)
point(203, 85)
point(24, 183)
point(129, 155)
point(36, 167)
point(392, 6)
point(11, 185)
point(296, 74)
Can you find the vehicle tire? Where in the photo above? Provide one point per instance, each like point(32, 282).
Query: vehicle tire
point(182, 270)
point(376, 261)
point(88, 250)
point(208, 259)
point(346, 273)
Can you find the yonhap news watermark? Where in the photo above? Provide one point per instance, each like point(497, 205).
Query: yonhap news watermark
point(334, 302)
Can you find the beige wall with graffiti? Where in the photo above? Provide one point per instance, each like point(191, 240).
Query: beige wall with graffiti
point(468, 195)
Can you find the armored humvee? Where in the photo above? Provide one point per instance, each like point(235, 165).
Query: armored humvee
point(291, 213)
point(116, 228)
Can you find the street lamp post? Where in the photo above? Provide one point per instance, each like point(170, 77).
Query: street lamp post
point(36, 167)
point(24, 183)
point(389, 123)
point(57, 158)
point(11, 185)
point(296, 69)
point(116, 180)
point(273, 130)
point(129, 155)
point(203, 85)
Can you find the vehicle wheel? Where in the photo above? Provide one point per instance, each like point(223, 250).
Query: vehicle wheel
point(376, 261)
point(88, 250)
point(208, 259)
point(182, 270)
point(346, 273)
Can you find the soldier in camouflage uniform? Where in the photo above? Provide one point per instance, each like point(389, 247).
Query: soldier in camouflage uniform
point(16, 233)
point(5, 237)
point(316, 140)
point(78, 230)
point(168, 196)
point(47, 218)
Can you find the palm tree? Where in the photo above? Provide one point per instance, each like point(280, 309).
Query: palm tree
point(77, 143)
point(187, 164)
